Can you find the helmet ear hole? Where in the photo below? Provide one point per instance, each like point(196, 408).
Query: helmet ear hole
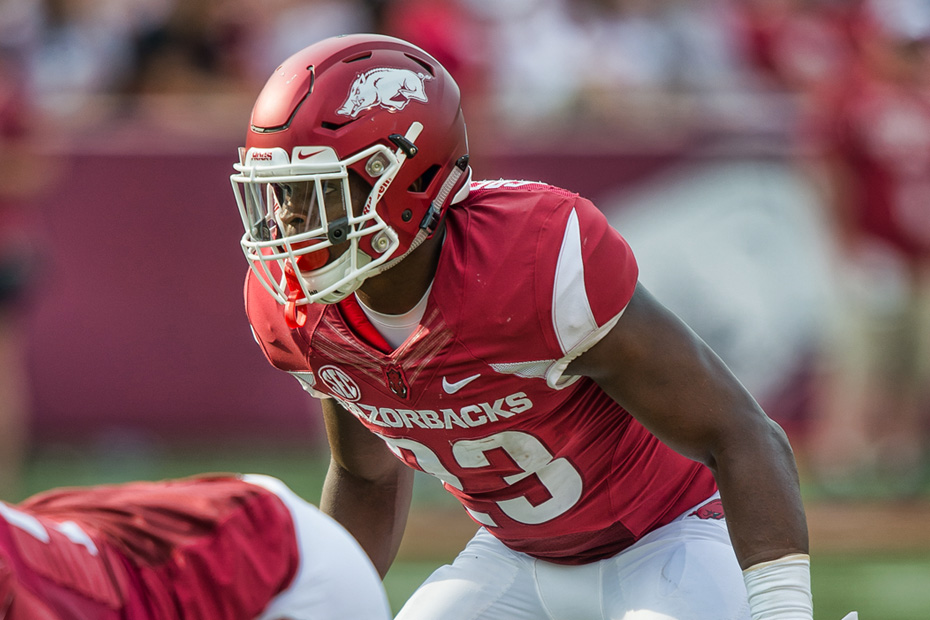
point(422, 183)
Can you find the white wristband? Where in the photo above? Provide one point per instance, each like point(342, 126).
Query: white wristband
point(780, 589)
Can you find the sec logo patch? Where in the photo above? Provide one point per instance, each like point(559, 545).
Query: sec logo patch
point(339, 383)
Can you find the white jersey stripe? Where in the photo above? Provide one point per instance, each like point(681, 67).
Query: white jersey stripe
point(571, 313)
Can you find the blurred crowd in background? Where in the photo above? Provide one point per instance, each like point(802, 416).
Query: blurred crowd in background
point(836, 92)
point(648, 68)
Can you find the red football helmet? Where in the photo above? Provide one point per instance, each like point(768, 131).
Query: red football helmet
point(356, 147)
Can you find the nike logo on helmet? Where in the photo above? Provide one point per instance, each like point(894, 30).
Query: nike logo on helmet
point(452, 388)
point(301, 155)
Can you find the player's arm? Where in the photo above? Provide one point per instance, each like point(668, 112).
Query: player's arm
point(367, 489)
point(660, 371)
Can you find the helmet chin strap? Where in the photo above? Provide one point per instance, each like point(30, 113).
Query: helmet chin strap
point(295, 315)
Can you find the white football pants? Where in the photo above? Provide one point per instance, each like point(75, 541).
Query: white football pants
point(685, 570)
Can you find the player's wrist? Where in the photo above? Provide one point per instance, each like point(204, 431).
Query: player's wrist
point(780, 589)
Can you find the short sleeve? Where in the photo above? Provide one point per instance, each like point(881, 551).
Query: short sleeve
point(593, 281)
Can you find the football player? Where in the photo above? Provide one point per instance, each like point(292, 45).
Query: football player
point(493, 334)
point(208, 547)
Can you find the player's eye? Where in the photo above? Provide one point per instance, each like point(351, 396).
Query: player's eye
point(282, 191)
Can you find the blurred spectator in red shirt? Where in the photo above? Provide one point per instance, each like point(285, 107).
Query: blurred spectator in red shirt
point(870, 136)
point(798, 45)
point(447, 29)
point(454, 34)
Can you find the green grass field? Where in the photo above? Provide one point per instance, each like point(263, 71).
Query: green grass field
point(880, 585)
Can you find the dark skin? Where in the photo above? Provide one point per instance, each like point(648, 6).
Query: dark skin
point(651, 364)
point(366, 489)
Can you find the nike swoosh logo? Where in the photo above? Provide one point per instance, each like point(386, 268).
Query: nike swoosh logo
point(309, 155)
point(452, 388)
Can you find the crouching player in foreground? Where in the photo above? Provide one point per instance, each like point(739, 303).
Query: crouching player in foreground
point(205, 548)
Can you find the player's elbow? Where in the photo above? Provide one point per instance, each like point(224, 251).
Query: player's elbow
point(756, 438)
point(385, 472)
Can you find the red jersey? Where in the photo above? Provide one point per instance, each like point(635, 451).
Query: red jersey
point(214, 548)
point(882, 132)
point(799, 47)
point(529, 277)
